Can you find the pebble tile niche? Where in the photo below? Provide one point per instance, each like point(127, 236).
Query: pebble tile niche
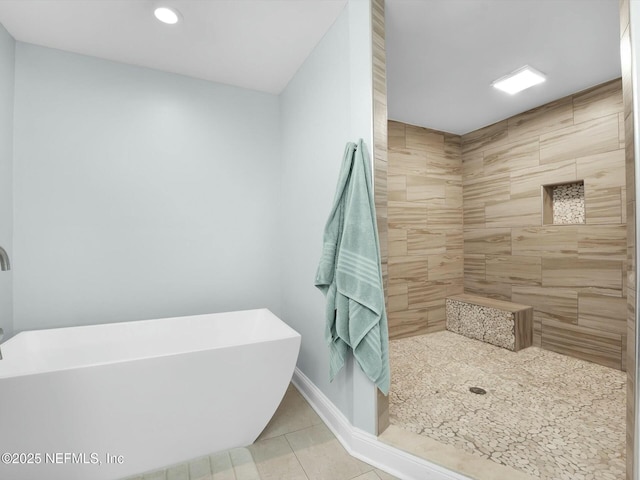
point(567, 203)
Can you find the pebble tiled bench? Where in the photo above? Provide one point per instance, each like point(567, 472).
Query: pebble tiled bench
point(505, 324)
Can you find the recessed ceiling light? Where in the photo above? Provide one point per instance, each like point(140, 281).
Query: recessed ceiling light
point(167, 15)
point(519, 80)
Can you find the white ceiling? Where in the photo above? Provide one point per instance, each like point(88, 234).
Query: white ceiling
point(442, 56)
point(256, 44)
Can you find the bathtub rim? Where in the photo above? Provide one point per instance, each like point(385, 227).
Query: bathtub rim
point(29, 369)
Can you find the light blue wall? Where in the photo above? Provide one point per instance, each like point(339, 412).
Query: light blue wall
point(139, 194)
point(7, 57)
point(142, 194)
point(326, 104)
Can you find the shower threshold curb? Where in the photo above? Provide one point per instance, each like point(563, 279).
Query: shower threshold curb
point(365, 446)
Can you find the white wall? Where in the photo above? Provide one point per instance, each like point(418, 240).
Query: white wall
point(139, 194)
point(6, 184)
point(326, 104)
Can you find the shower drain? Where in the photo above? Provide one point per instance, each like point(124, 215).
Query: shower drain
point(477, 390)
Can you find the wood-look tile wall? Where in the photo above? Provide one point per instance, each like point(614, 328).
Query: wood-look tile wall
point(380, 131)
point(379, 70)
point(629, 202)
point(573, 275)
point(425, 227)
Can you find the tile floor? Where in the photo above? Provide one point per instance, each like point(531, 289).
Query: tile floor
point(545, 415)
point(295, 445)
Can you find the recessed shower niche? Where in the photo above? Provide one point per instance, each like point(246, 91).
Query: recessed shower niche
point(563, 203)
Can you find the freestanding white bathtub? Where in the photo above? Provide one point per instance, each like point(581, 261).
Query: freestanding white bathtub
point(108, 401)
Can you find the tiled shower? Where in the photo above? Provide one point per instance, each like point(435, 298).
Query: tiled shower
point(530, 210)
point(466, 213)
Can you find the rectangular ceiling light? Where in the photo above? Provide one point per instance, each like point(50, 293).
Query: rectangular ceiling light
point(519, 80)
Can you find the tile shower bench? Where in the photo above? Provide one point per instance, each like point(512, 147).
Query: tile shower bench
point(505, 324)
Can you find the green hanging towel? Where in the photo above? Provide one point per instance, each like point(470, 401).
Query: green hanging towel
point(350, 276)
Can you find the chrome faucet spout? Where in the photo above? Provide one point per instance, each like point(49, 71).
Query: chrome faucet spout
point(5, 264)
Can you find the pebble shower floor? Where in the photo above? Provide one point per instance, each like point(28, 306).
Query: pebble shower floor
point(548, 415)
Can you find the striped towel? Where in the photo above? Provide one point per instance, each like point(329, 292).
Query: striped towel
point(349, 274)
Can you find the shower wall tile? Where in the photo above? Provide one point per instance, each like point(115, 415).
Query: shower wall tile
point(603, 312)
point(527, 182)
point(426, 294)
point(629, 156)
point(398, 243)
point(514, 269)
point(440, 169)
point(444, 267)
point(455, 241)
point(611, 292)
point(603, 242)
point(424, 139)
point(576, 272)
point(472, 166)
point(600, 101)
point(437, 319)
point(581, 342)
point(631, 242)
point(408, 323)
point(631, 329)
point(592, 136)
point(380, 179)
point(489, 182)
point(537, 331)
point(396, 138)
point(488, 188)
point(517, 212)
point(547, 241)
point(381, 134)
point(421, 188)
point(624, 349)
point(571, 274)
point(398, 297)
point(487, 137)
point(627, 78)
point(625, 277)
point(444, 216)
point(497, 290)
point(453, 149)
point(410, 268)
point(602, 170)
point(629, 197)
point(429, 242)
point(455, 287)
point(397, 188)
point(512, 156)
point(487, 241)
point(549, 303)
point(453, 195)
point(407, 215)
point(475, 267)
point(425, 218)
point(603, 205)
point(474, 215)
point(546, 118)
point(407, 162)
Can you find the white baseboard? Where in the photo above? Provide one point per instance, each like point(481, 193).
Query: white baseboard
point(367, 447)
